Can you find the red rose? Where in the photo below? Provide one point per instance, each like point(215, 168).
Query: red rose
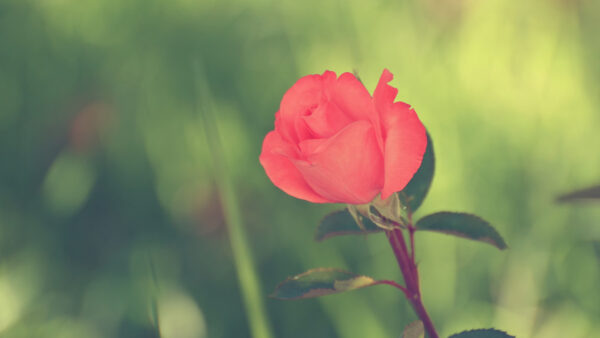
point(334, 143)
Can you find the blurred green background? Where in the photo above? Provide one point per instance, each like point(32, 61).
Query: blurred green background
point(111, 223)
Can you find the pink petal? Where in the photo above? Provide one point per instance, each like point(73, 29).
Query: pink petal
point(276, 158)
point(383, 98)
point(405, 144)
point(384, 94)
point(326, 120)
point(352, 97)
point(347, 168)
point(306, 94)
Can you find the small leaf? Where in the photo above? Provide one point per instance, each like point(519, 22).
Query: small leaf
point(356, 211)
point(592, 193)
point(415, 191)
point(462, 225)
point(379, 220)
point(320, 282)
point(342, 223)
point(482, 333)
point(414, 330)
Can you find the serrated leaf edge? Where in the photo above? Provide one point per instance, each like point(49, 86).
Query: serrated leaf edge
point(500, 245)
point(483, 330)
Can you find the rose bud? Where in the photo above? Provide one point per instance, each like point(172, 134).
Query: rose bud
point(334, 143)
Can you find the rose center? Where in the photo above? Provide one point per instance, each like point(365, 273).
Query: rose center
point(309, 110)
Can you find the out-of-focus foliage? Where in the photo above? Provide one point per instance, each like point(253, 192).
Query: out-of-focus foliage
point(588, 194)
point(105, 171)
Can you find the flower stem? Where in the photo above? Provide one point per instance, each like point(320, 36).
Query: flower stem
point(408, 267)
point(394, 284)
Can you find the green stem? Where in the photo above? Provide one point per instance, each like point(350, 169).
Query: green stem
point(244, 264)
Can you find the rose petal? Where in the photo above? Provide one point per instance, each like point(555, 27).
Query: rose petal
point(405, 144)
point(326, 120)
point(352, 97)
point(309, 147)
point(384, 94)
point(275, 159)
point(383, 98)
point(305, 95)
point(403, 135)
point(347, 168)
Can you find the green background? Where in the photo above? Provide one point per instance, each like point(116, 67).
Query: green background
point(110, 217)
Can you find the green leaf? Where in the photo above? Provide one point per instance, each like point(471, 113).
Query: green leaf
point(320, 282)
point(482, 333)
point(592, 193)
point(415, 191)
point(342, 223)
point(462, 225)
point(414, 330)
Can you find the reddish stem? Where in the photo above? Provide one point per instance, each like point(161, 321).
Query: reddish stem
point(408, 267)
point(411, 231)
point(394, 284)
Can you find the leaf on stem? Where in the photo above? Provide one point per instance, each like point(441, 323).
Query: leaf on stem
point(592, 193)
point(462, 225)
point(414, 330)
point(415, 191)
point(482, 333)
point(320, 282)
point(342, 223)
